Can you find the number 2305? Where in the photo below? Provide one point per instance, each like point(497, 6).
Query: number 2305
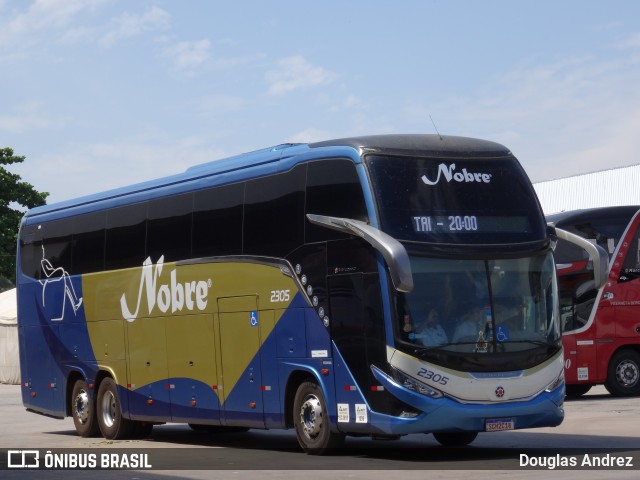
point(280, 296)
point(433, 376)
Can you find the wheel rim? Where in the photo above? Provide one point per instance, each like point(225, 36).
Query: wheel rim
point(108, 409)
point(311, 416)
point(81, 406)
point(627, 373)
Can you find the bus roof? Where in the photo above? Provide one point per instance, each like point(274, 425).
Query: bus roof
point(572, 217)
point(268, 161)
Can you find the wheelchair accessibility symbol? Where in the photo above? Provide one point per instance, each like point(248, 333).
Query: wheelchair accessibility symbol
point(254, 318)
point(502, 335)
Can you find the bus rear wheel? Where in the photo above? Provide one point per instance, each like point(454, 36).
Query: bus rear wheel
point(83, 410)
point(623, 375)
point(311, 420)
point(455, 439)
point(112, 425)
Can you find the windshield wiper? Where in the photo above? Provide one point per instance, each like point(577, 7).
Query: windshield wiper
point(539, 343)
point(421, 351)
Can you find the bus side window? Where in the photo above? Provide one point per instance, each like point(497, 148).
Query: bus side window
point(217, 221)
point(57, 243)
point(631, 266)
point(31, 251)
point(273, 215)
point(126, 235)
point(169, 227)
point(333, 189)
point(87, 255)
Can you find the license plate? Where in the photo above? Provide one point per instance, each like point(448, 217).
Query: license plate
point(499, 424)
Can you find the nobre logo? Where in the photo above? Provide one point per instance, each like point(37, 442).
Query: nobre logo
point(463, 176)
point(173, 295)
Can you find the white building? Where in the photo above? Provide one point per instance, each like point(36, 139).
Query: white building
point(607, 188)
point(9, 354)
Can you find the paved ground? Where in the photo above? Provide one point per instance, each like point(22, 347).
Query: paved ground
point(596, 425)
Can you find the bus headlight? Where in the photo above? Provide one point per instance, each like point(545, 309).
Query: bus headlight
point(556, 383)
point(414, 385)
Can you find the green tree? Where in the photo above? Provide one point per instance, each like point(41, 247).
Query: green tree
point(13, 193)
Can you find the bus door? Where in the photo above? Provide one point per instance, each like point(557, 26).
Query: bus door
point(623, 325)
point(580, 339)
point(240, 333)
point(357, 328)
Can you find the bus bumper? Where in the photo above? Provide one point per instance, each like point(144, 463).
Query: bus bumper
point(445, 414)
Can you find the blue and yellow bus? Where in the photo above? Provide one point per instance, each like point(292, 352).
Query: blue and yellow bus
point(381, 285)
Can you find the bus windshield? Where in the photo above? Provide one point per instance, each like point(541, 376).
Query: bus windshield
point(480, 306)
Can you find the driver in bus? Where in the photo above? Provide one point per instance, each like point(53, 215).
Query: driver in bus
point(429, 332)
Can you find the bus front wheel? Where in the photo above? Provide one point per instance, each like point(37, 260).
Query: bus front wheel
point(83, 410)
point(311, 420)
point(623, 375)
point(112, 425)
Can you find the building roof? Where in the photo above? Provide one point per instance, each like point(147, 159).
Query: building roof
point(605, 188)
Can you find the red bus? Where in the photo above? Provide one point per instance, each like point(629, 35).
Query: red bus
point(601, 327)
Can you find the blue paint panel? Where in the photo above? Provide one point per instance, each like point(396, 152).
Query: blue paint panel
point(317, 334)
point(54, 348)
point(138, 401)
point(268, 358)
point(291, 334)
point(238, 409)
point(186, 391)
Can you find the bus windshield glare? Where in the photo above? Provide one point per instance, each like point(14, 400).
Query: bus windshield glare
point(480, 306)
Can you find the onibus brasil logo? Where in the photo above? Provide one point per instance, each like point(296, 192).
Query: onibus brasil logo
point(463, 176)
point(174, 296)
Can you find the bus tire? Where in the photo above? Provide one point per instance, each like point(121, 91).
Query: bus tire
point(455, 439)
point(311, 420)
point(623, 375)
point(112, 425)
point(575, 391)
point(83, 410)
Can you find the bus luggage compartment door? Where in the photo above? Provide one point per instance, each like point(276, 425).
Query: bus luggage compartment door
point(240, 333)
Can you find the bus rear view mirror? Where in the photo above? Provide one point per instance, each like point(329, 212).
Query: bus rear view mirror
point(596, 253)
point(391, 249)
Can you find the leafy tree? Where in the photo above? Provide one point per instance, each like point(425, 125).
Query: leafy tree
point(13, 193)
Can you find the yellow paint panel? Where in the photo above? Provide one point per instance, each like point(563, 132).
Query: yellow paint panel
point(147, 351)
point(111, 347)
point(191, 348)
point(165, 290)
point(245, 303)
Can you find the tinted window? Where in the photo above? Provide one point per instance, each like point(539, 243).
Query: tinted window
point(333, 189)
point(631, 266)
point(217, 221)
point(126, 235)
point(169, 228)
point(465, 201)
point(57, 245)
point(88, 242)
point(274, 209)
point(31, 250)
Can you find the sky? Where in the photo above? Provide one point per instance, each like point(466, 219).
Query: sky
point(99, 94)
